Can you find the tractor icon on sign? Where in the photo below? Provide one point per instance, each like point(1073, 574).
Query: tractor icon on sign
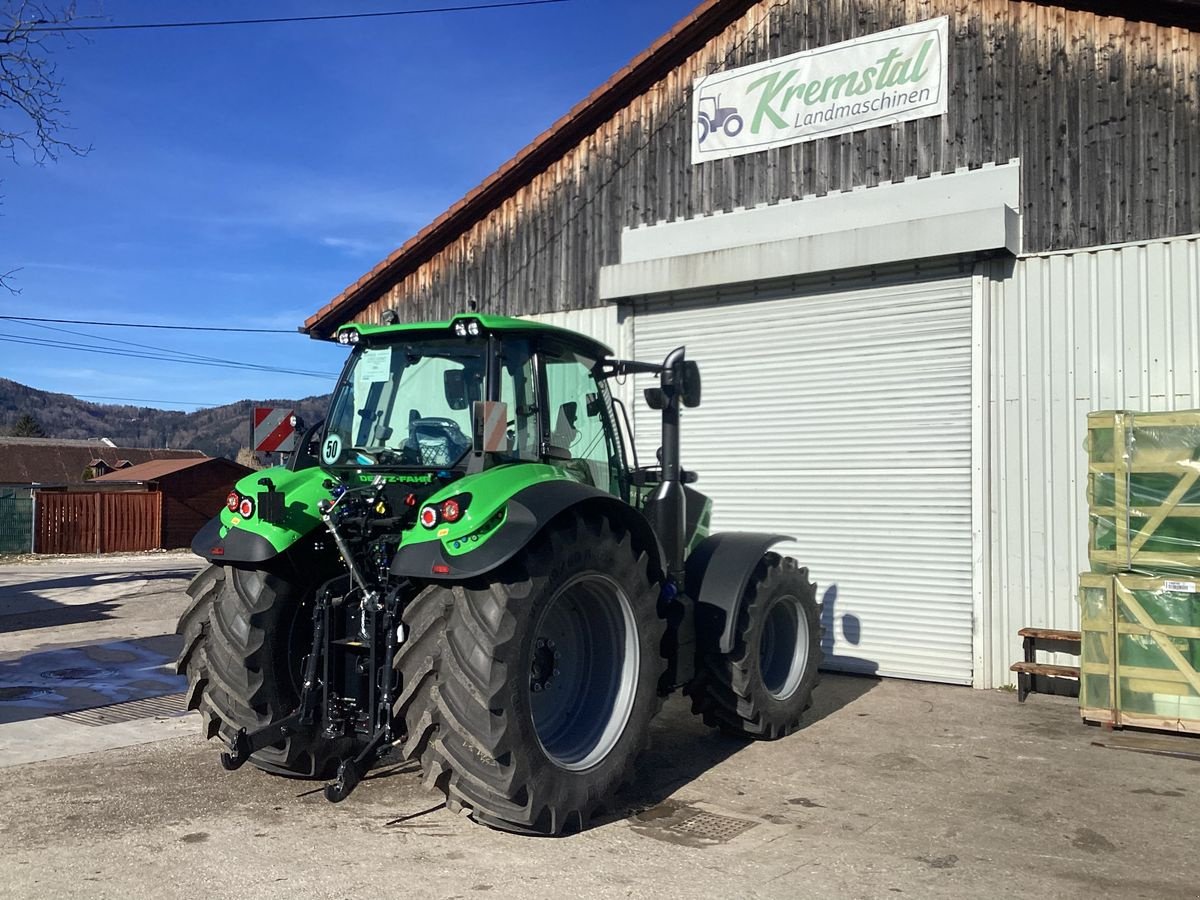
point(725, 118)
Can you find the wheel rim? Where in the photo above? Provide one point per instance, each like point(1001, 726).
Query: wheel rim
point(583, 671)
point(783, 648)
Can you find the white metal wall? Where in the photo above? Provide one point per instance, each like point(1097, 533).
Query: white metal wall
point(1115, 327)
point(843, 417)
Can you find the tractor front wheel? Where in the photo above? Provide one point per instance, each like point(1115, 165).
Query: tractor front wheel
point(528, 698)
point(762, 688)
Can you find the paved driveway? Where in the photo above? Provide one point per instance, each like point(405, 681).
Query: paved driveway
point(82, 632)
point(892, 789)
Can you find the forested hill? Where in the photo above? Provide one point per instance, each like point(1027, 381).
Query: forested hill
point(218, 430)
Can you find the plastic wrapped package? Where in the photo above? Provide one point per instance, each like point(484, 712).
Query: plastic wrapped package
point(1144, 492)
point(1096, 660)
point(1141, 651)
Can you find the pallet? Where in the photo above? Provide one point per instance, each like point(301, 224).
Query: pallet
point(1144, 491)
point(1140, 652)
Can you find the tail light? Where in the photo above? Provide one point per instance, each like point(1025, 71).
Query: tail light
point(448, 511)
point(246, 507)
point(232, 501)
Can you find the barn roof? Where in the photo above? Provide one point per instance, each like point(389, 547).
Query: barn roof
point(689, 35)
point(48, 461)
point(153, 470)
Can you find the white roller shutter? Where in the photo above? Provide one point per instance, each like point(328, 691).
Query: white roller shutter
point(843, 419)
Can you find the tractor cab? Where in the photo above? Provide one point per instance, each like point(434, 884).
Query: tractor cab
point(473, 393)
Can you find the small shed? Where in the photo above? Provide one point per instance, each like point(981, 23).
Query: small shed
point(193, 491)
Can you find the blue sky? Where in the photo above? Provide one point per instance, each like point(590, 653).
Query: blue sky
point(244, 176)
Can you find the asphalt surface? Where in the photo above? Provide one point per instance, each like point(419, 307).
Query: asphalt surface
point(893, 788)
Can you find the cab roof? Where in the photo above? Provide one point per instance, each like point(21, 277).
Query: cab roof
point(500, 325)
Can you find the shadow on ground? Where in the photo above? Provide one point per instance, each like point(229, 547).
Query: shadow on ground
point(24, 606)
point(682, 747)
point(65, 680)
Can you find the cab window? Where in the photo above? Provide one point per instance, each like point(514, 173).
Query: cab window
point(577, 410)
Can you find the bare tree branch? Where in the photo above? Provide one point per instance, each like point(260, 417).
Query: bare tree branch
point(33, 119)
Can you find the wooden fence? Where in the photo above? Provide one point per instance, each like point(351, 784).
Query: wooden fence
point(98, 522)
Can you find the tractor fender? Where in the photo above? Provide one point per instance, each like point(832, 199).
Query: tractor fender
point(238, 546)
point(716, 575)
point(529, 511)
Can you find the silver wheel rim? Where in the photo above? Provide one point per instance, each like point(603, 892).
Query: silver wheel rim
point(584, 670)
point(783, 647)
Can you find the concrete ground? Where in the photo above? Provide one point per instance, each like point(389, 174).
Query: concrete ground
point(892, 788)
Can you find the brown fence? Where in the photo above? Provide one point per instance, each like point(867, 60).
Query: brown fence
point(98, 522)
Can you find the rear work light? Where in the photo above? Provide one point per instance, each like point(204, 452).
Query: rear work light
point(467, 328)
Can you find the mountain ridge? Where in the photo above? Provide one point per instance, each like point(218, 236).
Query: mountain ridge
point(216, 430)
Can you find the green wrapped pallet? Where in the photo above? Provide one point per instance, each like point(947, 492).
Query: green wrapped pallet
point(1140, 651)
point(1144, 492)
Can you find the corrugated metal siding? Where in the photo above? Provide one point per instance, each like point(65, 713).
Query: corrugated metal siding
point(1115, 327)
point(843, 418)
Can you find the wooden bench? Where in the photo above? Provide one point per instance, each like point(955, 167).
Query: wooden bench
point(1032, 676)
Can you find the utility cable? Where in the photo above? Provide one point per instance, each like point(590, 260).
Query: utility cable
point(132, 354)
point(133, 400)
point(147, 325)
point(135, 26)
point(109, 340)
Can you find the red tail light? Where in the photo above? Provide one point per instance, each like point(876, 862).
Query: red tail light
point(232, 501)
point(246, 507)
point(451, 512)
point(429, 517)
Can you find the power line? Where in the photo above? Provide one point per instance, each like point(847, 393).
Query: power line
point(147, 325)
point(132, 354)
point(109, 340)
point(49, 26)
point(133, 399)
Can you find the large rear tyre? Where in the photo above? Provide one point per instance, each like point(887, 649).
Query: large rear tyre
point(245, 636)
point(762, 688)
point(527, 699)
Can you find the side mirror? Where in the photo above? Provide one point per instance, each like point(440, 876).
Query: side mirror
point(689, 384)
point(456, 388)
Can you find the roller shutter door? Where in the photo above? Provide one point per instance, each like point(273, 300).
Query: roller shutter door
point(842, 418)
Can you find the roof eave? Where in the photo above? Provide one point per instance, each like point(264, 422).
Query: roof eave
point(689, 35)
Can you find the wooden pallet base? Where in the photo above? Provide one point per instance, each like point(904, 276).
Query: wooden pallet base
point(1107, 718)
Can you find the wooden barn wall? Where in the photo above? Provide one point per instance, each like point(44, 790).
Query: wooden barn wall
point(190, 499)
point(1102, 113)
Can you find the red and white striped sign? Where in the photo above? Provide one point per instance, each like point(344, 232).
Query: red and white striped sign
point(274, 429)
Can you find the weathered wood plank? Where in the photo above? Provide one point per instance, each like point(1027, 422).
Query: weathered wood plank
point(1103, 113)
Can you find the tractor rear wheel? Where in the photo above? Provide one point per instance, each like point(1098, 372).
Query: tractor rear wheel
point(527, 699)
point(245, 636)
point(762, 688)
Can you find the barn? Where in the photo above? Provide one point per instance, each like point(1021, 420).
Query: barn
point(192, 490)
point(911, 244)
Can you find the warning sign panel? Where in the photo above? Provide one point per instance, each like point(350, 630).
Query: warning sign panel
point(274, 429)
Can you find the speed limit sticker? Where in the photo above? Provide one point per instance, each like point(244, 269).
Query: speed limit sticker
point(331, 450)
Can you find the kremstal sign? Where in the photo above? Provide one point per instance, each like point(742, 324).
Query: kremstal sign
point(881, 79)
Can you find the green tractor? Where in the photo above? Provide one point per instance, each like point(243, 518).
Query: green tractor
point(461, 566)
